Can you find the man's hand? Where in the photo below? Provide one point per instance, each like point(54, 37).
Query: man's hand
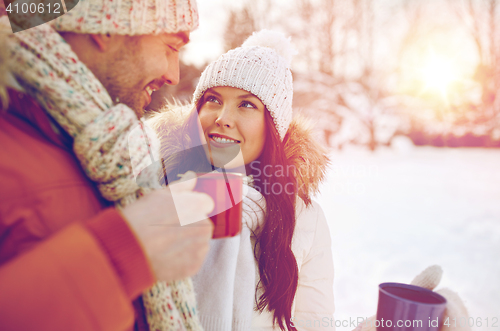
point(174, 251)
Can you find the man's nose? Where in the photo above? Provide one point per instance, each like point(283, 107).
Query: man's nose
point(172, 74)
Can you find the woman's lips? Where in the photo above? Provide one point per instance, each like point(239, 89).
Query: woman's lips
point(217, 144)
point(222, 154)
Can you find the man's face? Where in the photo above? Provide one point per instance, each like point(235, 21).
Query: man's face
point(138, 65)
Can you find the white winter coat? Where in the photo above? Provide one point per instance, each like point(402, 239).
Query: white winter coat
point(311, 244)
point(225, 285)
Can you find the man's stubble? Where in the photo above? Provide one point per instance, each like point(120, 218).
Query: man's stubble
point(124, 78)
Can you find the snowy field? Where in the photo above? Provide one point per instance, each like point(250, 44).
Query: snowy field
point(394, 212)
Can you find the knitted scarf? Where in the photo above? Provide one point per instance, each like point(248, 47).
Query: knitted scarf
point(109, 141)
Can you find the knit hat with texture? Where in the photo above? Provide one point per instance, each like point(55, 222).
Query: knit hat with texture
point(130, 17)
point(260, 66)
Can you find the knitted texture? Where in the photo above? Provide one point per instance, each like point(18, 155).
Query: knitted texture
point(169, 306)
point(130, 17)
point(429, 278)
point(260, 66)
point(49, 71)
point(455, 311)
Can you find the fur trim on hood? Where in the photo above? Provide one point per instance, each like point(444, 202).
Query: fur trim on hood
point(302, 150)
point(307, 155)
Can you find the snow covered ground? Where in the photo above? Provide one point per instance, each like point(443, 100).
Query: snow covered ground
point(394, 212)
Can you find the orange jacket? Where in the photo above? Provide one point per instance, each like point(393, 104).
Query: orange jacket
point(66, 261)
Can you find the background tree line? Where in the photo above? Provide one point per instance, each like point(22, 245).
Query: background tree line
point(357, 72)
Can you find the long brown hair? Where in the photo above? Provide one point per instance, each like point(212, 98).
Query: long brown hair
point(273, 248)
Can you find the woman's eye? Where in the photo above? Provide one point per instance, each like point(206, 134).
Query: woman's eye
point(247, 104)
point(211, 98)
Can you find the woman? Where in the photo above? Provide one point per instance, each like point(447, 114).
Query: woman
point(281, 264)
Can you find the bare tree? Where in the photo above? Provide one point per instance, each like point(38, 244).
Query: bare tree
point(335, 40)
point(241, 24)
point(482, 19)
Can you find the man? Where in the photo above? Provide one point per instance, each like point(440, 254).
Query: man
point(69, 260)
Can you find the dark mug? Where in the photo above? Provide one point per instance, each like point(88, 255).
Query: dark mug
point(226, 189)
point(409, 307)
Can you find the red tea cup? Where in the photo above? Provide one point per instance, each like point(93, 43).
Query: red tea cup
point(226, 189)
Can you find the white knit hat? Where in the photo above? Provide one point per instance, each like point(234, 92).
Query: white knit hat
point(130, 17)
point(260, 66)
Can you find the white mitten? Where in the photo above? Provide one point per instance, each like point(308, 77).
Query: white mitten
point(455, 312)
point(429, 278)
point(455, 308)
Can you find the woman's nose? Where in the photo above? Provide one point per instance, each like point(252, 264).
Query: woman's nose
point(225, 118)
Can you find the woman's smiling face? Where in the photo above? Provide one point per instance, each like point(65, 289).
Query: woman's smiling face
point(232, 120)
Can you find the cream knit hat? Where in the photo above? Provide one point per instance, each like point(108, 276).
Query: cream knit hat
point(130, 17)
point(260, 66)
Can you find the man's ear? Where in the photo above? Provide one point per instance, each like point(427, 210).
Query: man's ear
point(102, 41)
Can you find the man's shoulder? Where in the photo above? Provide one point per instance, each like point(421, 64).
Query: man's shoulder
point(43, 188)
point(34, 172)
point(28, 159)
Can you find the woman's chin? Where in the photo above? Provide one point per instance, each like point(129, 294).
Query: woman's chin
point(228, 158)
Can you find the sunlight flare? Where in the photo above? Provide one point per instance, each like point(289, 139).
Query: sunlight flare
point(439, 73)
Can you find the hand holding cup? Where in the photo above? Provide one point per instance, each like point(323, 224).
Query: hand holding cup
point(175, 251)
